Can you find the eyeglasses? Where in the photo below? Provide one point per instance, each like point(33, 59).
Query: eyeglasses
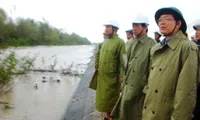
point(164, 19)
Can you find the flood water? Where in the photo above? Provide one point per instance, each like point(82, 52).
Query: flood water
point(47, 101)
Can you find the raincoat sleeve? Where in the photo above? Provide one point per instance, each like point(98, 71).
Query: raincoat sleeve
point(198, 79)
point(185, 94)
point(121, 61)
point(97, 56)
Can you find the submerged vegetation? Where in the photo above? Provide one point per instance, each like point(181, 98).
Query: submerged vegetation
point(10, 66)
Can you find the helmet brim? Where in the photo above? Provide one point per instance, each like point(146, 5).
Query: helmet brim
point(196, 27)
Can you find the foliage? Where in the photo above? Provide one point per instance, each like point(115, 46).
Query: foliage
point(10, 66)
point(28, 32)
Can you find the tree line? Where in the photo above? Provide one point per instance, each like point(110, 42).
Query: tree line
point(28, 32)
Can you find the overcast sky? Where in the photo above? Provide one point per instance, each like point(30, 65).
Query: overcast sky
point(86, 17)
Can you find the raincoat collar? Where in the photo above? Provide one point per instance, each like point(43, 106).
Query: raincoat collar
point(142, 39)
point(114, 36)
point(173, 43)
point(164, 42)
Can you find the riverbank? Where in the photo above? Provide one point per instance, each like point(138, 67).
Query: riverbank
point(82, 104)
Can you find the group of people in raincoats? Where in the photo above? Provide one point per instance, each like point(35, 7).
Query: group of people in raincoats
point(147, 79)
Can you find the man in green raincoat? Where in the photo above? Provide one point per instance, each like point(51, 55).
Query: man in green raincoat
point(172, 81)
point(157, 36)
point(129, 105)
point(197, 107)
point(110, 69)
point(129, 35)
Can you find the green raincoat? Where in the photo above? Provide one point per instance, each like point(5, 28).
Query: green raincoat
point(128, 44)
point(110, 67)
point(129, 106)
point(171, 90)
point(93, 82)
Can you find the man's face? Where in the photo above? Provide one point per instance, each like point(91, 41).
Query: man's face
point(137, 29)
point(156, 36)
point(104, 33)
point(108, 30)
point(128, 35)
point(166, 23)
point(197, 34)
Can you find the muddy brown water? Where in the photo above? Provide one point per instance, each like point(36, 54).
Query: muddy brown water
point(47, 101)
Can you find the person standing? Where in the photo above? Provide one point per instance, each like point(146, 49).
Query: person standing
point(157, 36)
point(131, 101)
point(110, 69)
point(129, 36)
point(172, 81)
point(197, 107)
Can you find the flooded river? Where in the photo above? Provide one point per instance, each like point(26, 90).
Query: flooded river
point(44, 95)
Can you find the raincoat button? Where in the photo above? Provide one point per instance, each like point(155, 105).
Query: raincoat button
point(156, 91)
point(126, 83)
point(152, 68)
point(160, 69)
point(133, 71)
point(135, 57)
point(145, 107)
point(153, 112)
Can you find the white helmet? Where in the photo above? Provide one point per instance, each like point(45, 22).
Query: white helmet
point(141, 19)
point(112, 23)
